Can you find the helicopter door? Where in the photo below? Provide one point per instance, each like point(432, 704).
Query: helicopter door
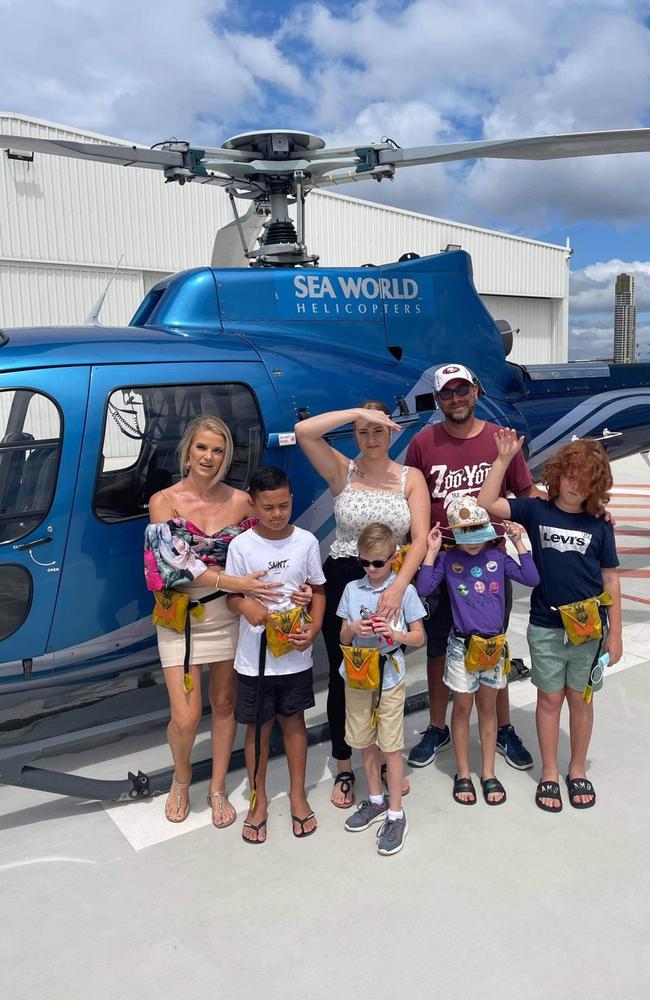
point(42, 415)
point(136, 416)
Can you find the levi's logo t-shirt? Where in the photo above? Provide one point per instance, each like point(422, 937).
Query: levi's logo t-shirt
point(570, 552)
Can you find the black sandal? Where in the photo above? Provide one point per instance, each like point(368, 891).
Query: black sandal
point(548, 790)
point(346, 780)
point(464, 785)
point(257, 827)
point(490, 786)
point(580, 786)
point(301, 824)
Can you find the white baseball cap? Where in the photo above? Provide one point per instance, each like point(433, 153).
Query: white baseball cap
point(449, 373)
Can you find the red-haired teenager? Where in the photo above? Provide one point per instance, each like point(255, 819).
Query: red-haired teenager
point(575, 554)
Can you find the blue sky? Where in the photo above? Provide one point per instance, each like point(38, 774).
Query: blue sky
point(420, 71)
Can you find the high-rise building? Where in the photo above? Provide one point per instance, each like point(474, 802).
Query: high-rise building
point(624, 320)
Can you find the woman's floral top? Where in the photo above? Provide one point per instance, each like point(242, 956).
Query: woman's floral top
point(177, 551)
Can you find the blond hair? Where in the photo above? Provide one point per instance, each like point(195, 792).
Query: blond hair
point(215, 426)
point(376, 536)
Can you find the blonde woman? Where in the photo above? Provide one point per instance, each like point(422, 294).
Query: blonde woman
point(371, 488)
point(192, 524)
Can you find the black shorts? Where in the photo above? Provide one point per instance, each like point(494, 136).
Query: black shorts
point(283, 695)
point(438, 624)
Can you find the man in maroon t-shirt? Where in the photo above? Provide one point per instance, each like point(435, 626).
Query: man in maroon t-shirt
point(455, 457)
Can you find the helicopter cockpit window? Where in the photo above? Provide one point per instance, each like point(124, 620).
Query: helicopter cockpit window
point(142, 428)
point(30, 441)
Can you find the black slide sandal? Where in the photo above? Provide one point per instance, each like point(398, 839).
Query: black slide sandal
point(491, 785)
point(464, 785)
point(548, 790)
point(580, 786)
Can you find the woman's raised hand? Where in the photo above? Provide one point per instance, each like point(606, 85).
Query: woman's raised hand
point(252, 586)
point(375, 417)
point(507, 442)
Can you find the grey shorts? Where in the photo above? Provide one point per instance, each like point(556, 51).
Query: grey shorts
point(556, 665)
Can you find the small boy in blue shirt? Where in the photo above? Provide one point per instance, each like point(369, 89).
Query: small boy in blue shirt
point(575, 553)
point(374, 718)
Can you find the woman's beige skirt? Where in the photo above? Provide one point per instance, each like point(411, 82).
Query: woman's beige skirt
point(211, 640)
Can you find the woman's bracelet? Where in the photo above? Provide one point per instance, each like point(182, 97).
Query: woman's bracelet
point(216, 586)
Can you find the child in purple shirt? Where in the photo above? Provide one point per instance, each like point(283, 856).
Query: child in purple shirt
point(475, 572)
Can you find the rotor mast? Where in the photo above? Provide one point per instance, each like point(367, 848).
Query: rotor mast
point(276, 178)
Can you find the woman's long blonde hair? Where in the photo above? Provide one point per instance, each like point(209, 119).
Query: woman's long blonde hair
point(216, 426)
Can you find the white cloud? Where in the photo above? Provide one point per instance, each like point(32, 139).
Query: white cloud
point(421, 71)
point(142, 71)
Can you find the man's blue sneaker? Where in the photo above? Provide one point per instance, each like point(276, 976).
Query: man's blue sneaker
point(514, 751)
point(433, 741)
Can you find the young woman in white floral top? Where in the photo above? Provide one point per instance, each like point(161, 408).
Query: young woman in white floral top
point(371, 488)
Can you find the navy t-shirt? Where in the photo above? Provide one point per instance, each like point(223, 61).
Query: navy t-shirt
point(570, 552)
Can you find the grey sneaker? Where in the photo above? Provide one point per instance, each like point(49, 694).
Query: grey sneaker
point(391, 835)
point(367, 813)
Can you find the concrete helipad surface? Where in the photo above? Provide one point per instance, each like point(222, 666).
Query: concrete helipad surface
point(482, 903)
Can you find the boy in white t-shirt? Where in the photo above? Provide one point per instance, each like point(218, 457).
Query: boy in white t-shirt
point(291, 559)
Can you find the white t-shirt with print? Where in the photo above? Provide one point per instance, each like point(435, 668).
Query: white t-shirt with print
point(291, 561)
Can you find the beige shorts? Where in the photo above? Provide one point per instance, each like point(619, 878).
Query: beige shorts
point(389, 734)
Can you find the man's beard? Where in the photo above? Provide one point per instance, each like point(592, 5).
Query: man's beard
point(460, 416)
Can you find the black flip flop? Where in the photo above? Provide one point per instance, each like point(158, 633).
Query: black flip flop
point(464, 785)
point(257, 828)
point(580, 786)
point(301, 824)
point(491, 785)
point(346, 780)
point(548, 790)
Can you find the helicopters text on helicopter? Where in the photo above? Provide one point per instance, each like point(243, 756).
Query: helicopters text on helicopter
point(92, 415)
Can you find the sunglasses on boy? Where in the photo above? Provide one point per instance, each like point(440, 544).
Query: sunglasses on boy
point(461, 391)
point(375, 563)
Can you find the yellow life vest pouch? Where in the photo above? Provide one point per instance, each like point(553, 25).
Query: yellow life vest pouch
point(485, 652)
point(581, 620)
point(362, 667)
point(174, 610)
point(280, 625)
point(170, 609)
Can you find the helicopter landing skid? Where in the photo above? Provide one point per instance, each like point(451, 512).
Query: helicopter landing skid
point(18, 768)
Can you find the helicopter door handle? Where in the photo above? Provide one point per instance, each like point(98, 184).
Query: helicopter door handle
point(34, 544)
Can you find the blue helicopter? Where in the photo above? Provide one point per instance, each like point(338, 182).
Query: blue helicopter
point(92, 417)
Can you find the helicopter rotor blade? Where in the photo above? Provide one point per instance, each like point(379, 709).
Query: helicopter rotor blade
point(136, 156)
point(541, 147)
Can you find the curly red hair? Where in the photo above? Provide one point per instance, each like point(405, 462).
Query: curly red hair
point(587, 461)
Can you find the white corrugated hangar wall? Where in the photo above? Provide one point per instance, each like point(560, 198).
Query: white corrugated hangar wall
point(65, 223)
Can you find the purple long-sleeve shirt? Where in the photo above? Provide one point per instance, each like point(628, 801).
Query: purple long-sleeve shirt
point(476, 586)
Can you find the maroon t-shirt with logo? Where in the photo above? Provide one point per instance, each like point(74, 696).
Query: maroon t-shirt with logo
point(454, 465)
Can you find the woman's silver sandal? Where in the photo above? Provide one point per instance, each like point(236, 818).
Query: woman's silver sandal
point(221, 798)
point(181, 786)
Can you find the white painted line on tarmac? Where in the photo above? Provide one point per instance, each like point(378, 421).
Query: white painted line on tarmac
point(143, 824)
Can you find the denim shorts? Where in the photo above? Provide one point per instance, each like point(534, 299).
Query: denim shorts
point(464, 681)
